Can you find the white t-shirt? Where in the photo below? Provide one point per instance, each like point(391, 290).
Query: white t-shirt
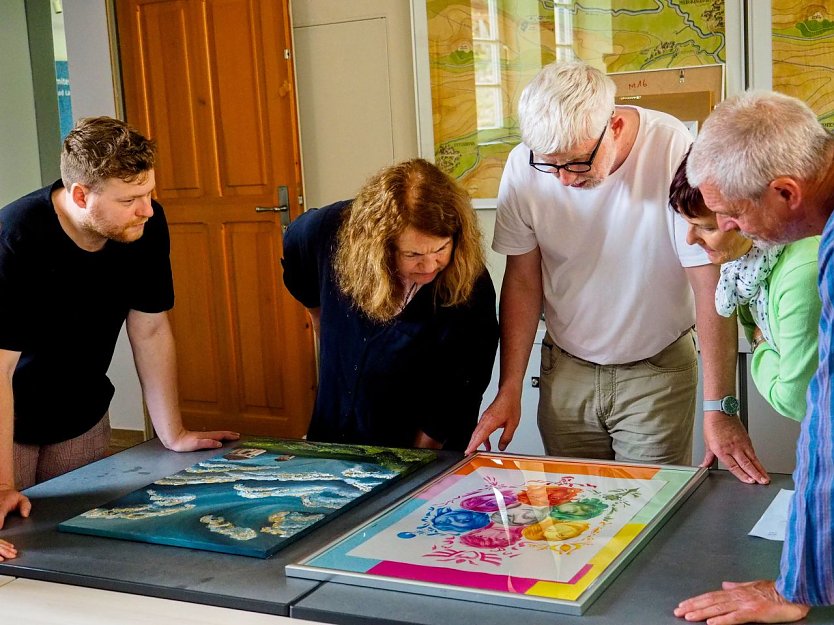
point(612, 257)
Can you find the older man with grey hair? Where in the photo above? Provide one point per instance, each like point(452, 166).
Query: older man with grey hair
point(584, 221)
point(765, 166)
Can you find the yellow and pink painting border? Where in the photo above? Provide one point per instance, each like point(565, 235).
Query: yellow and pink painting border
point(365, 555)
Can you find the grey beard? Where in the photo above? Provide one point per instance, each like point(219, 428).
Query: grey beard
point(786, 237)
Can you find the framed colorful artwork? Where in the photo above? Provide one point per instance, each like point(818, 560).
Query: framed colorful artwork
point(541, 533)
point(253, 499)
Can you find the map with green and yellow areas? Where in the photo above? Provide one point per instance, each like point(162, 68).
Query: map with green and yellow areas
point(483, 52)
point(803, 49)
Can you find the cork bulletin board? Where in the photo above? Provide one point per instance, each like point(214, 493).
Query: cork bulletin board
point(688, 93)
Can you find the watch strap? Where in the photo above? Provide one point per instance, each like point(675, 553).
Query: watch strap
point(729, 405)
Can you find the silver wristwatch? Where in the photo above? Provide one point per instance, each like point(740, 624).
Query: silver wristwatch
point(728, 405)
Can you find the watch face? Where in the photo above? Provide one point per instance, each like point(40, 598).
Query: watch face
point(729, 405)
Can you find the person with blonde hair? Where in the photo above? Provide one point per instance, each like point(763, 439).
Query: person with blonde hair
point(765, 165)
point(583, 219)
point(396, 285)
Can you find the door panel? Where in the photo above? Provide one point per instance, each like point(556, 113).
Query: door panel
point(164, 67)
point(238, 70)
point(210, 82)
point(252, 270)
point(200, 378)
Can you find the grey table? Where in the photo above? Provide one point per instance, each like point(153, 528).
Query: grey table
point(157, 570)
point(704, 543)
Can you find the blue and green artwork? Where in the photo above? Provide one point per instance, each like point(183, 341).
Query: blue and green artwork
point(253, 499)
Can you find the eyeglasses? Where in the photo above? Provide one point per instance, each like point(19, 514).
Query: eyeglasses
point(574, 167)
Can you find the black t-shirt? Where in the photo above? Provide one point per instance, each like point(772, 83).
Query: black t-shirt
point(62, 307)
point(379, 383)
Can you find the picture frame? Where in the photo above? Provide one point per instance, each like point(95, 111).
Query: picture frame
point(253, 499)
point(523, 531)
point(473, 58)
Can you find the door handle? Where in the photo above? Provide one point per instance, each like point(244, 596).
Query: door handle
point(283, 207)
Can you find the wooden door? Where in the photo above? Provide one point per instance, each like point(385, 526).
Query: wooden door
point(211, 81)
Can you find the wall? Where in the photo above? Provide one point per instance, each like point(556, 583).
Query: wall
point(372, 80)
point(88, 53)
point(19, 158)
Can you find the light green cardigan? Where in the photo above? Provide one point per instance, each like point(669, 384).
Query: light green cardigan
point(793, 306)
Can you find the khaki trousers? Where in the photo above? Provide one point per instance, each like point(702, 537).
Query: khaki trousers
point(642, 411)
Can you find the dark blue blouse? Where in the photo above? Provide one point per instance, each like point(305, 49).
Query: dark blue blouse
point(381, 383)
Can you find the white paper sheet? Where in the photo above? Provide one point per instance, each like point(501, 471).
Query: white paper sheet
point(775, 518)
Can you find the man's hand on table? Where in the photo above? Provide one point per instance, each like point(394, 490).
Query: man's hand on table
point(11, 500)
point(748, 602)
point(188, 440)
point(7, 550)
point(726, 438)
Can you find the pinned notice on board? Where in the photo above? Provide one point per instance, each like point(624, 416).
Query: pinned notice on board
point(688, 93)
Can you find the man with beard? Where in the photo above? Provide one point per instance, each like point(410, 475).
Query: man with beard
point(765, 166)
point(583, 218)
point(77, 260)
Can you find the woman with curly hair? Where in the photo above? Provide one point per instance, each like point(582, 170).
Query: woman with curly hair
point(396, 284)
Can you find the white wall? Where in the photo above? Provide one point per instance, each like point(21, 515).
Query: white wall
point(495, 262)
point(19, 156)
point(88, 54)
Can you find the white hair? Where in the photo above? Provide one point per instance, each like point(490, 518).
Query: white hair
point(753, 138)
point(566, 104)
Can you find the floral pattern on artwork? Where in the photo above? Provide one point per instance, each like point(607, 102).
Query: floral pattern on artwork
point(505, 519)
point(528, 531)
point(490, 520)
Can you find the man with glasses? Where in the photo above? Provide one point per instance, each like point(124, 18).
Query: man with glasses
point(573, 167)
point(584, 221)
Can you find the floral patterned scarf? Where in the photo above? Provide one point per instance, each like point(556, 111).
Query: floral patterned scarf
point(743, 282)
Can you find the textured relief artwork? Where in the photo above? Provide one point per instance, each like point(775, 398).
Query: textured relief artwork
point(252, 500)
